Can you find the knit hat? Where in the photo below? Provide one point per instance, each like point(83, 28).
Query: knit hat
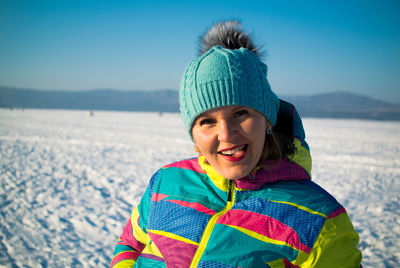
point(223, 77)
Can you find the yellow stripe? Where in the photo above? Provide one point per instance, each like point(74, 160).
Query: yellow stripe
point(276, 264)
point(124, 264)
point(138, 233)
point(152, 249)
point(218, 180)
point(344, 246)
point(261, 237)
point(173, 236)
point(301, 207)
point(302, 156)
point(209, 229)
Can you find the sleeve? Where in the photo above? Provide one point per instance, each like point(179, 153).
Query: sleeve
point(134, 236)
point(336, 245)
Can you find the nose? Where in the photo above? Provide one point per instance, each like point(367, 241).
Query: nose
point(226, 131)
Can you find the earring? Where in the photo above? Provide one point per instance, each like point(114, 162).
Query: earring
point(269, 131)
point(196, 149)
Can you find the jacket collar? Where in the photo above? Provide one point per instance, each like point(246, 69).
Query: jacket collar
point(270, 172)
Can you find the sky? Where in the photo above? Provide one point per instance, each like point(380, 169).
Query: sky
point(311, 47)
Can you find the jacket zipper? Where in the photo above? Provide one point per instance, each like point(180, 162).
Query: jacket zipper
point(210, 226)
point(230, 191)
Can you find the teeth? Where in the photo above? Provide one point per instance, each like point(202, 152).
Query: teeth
point(231, 152)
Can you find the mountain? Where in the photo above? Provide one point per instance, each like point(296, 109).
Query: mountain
point(332, 105)
point(344, 105)
point(99, 99)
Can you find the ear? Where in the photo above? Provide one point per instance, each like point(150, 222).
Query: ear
point(196, 149)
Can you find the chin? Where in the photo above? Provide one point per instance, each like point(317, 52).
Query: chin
point(234, 174)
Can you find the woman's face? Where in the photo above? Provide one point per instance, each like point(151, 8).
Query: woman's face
point(231, 138)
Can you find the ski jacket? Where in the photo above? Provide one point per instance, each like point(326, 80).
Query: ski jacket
point(190, 216)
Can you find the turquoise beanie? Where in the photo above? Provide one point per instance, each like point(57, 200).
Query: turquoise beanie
point(223, 77)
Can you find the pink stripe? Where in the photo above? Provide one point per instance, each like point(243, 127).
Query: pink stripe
point(288, 264)
point(337, 212)
point(129, 239)
point(152, 257)
point(158, 197)
point(273, 171)
point(124, 256)
point(176, 253)
point(263, 225)
point(197, 206)
point(191, 164)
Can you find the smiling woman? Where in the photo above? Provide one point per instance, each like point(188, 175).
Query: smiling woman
point(231, 139)
point(247, 200)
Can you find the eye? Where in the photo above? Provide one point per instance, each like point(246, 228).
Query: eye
point(206, 121)
point(240, 113)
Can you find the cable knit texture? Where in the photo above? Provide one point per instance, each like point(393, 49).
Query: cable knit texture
point(223, 77)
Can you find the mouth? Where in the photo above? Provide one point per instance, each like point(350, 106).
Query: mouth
point(235, 153)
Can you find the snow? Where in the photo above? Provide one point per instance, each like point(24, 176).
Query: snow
point(68, 180)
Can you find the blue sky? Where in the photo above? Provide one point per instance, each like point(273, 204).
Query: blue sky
point(312, 46)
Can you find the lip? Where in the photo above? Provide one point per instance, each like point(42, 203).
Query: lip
point(231, 148)
point(232, 158)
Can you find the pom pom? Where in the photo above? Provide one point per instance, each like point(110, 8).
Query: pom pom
point(228, 34)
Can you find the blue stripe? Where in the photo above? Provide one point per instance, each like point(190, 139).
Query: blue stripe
point(304, 192)
point(152, 183)
point(182, 221)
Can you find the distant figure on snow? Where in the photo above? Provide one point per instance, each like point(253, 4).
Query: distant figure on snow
point(248, 199)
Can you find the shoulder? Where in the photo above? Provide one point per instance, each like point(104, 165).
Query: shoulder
point(191, 164)
point(313, 196)
point(176, 172)
point(305, 195)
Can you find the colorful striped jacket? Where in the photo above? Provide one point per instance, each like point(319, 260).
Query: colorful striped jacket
point(190, 216)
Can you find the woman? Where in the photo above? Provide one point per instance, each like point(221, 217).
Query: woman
point(247, 200)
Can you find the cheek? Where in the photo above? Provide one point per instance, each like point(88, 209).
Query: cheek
point(203, 141)
point(256, 134)
point(256, 129)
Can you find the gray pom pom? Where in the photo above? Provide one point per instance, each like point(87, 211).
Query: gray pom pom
point(228, 34)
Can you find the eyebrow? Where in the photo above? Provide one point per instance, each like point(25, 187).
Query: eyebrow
point(207, 113)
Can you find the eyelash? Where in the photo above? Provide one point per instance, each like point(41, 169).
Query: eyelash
point(206, 121)
point(209, 121)
point(240, 113)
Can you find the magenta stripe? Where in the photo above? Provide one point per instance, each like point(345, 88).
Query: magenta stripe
point(288, 264)
point(176, 253)
point(152, 257)
point(191, 164)
point(197, 206)
point(124, 256)
point(337, 212)
point(273, 171)
point(129, 239)
point(264, 225)
point(158, 197)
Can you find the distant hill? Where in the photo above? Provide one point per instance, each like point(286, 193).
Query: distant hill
point(332, 105)
point(99, 99)
point(344, 105)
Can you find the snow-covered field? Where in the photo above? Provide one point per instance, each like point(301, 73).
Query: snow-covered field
point(68, 181)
